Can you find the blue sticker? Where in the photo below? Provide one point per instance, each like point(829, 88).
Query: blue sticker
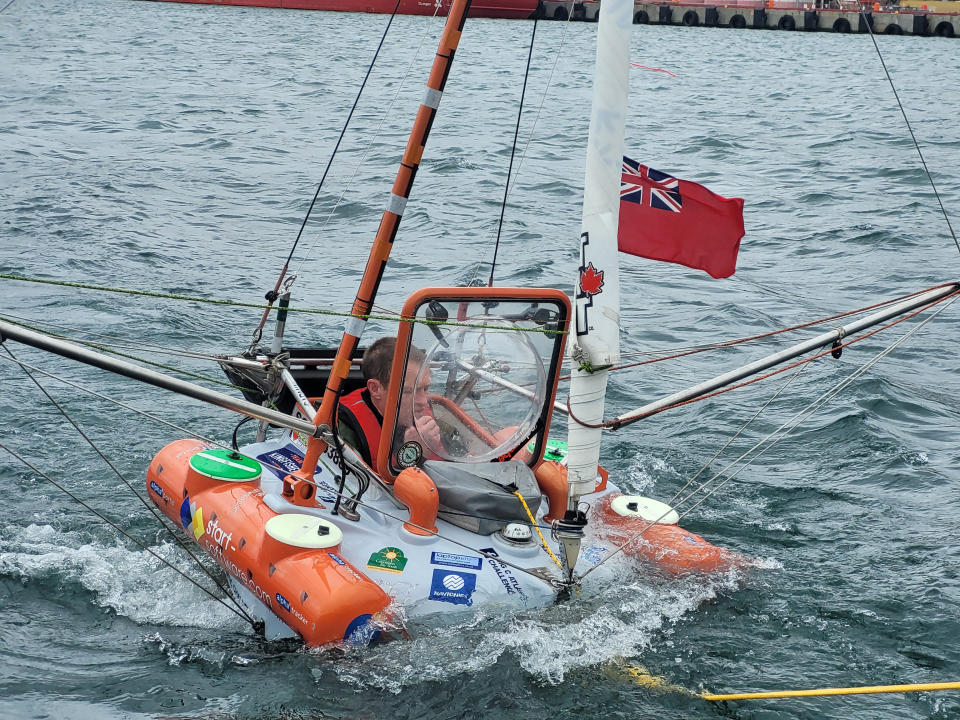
point(336, 558)
point(594, 553)
point(284, 603)
point(186, 517)
point(289, 459)
point(453, 586)
point(469, 562)
point(156, 488)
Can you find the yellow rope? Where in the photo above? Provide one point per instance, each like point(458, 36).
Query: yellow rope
point(533, 523)
point(864, 689)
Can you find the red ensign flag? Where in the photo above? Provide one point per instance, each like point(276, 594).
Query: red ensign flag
point(664, 218)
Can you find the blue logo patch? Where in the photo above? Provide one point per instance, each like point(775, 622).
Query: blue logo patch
point(453, 586)
point(186, 517)
point(156, 488)
point(284, 603)
point(470, 562)
point(287, 460)
point(336, 558)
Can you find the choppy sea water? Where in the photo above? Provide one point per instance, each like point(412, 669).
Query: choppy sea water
point(175, 148)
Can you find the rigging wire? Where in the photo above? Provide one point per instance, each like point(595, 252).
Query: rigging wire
point(513, 152)
point(153, 511)
point(113, 351)
point(868, 22)
point(727, 444)
point(360, 163)
point(115, 339)
point(779, 434)
point(617, 423)
point(123, 532)
point(273, 294)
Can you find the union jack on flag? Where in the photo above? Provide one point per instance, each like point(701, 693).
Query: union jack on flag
point(664, 190)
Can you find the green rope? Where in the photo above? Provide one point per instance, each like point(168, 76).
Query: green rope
point(257, 306)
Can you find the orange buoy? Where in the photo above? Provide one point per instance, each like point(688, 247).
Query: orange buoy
point(665, 544)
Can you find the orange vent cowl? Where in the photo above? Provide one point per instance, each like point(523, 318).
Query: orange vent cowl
point(419, 493)
point(552, 479)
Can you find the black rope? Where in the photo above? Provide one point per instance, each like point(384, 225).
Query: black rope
point(7, 5)
point(896, 95)
point(513, 152)
point(283, 271)
point(126, 482)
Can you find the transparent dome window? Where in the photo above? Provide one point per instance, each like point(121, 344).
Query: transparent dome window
point(474, 390)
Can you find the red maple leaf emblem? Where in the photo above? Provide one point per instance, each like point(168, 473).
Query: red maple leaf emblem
point(591, 281)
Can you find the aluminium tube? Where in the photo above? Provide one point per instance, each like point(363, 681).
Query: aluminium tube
point(787, 354)
point(198, 392)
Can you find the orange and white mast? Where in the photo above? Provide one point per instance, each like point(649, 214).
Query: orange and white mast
point(382, 244)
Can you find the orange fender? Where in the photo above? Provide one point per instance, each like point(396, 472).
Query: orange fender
point(668, 546)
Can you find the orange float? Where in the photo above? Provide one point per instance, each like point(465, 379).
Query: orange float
point(664, 542)
point(291, 563)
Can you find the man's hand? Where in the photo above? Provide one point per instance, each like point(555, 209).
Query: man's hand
point(427, 432)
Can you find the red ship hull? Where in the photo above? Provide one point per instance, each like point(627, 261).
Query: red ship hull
point(511, 9)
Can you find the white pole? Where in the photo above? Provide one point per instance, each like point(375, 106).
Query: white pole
point(595, 342)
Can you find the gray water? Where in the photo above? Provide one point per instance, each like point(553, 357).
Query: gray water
point(175, 148)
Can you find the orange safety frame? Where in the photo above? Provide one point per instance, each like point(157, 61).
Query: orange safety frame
point(405, 332)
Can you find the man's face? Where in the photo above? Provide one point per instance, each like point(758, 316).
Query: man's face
point(413, 401)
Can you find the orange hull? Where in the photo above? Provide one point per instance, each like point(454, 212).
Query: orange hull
point(670, 547)
point(314, 591)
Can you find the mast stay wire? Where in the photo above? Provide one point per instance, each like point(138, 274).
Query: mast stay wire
point(513, 152)
point(760, 447)
point(356, 168)
point(868, 22)
point(543, 99)
point(153, 511)
point(273, 294)
point(127, 535)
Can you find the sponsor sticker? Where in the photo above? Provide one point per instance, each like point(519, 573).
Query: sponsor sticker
point(453, 586)
point(388, 559)
point(470, 562)
point(336, 558)
point(156, 488)
point(197, 522)
point(594, 553)
point(284, 603)
point(507, 578)
point(186, 514)
point(289, 460)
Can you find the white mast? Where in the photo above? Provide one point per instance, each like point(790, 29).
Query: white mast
point(595, 341)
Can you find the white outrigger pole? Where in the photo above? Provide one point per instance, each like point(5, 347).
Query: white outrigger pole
point(595, 342)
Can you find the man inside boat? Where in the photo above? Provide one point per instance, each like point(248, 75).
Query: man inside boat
point(360, 415)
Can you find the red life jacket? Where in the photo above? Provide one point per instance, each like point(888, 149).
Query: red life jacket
point(359, 414)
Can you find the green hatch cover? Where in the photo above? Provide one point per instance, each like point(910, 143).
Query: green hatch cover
point(555, 450)
point(225, 465)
